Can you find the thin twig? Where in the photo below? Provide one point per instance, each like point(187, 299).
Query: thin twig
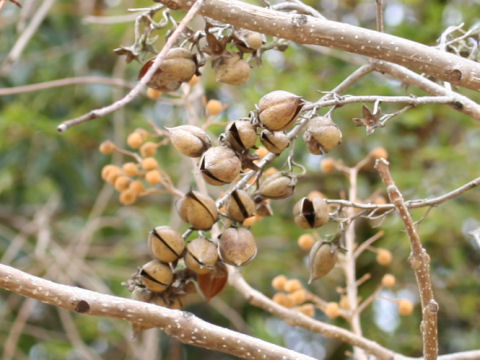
point(379, 15)
point(367, 243)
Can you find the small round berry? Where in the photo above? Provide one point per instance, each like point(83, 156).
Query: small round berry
point(134, 140)
point(127, 197)
point(214, 107)
point(405, 307)
point(293, 285)
point(305, 242)
point(137, 187)
point(261, 152)
point(148, 149)
point(378, 153)
point(328, 165)
point(193, 80)
point(278, 282)
point(332, 310)
point(298, 297)
point(122, 183)
point(344, 302)
point(113, 174)
point(106, 147)
point(280, 298)
point(384, 257)
point(388, 280)
point(154, 94)
point(149, 164)
point(107, 169)
point(307, 309)
point(153, 177)
point(130, 168)
point(143, 133)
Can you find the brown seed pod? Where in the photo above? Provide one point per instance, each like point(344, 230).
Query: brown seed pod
point(322, 135)
point(241, 135)
point(275, 142)
point(179, 65)
point(156, 276)
point(248, 41)
point(166, 244)
point(278, 186)
point(201, 256)
point(190, 140)
point(237, 246)
point(279, 109)
point(232, 70)
point(322, 259)
point(198, 210)
point(240, 206)
point(311, 213)
point(219, 165)
point(214, 281)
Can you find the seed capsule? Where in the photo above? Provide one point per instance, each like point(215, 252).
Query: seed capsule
point(322, 259)
point(198, 210)
point(201, 256)
point(322, 135)
point(189, 140)
point(179, 65)
point(219, 165)
point(166, 244)
point(311, 213)
point(233, 70)
point(278, 186)
point(275, 142)
point(156, 276)
point(240, 206)
point(237, 246)
point(279, 109)
point(241, 135)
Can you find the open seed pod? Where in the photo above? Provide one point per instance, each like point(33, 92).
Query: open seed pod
point(190, 140)
point(322, 135)
point(279, 109)
point(166, 244)
point(201, 256)
point(275, 141)
point(237, 246)
point(322, 259)
point(311, 213)
point(197, 209)
point(278, 186)
point(179, 65)
point(241, 135)
point(240, 206)
point(156, 276)
point(232, 70)
point(219, 165)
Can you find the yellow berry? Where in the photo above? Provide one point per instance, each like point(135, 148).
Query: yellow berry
point(134, 140)
point(193, 80)
point(107, 169)
point(384, 257)
point(148, 149)
point(149, 164)
point(293, 285)
point(332, 310)
point(298, 297)
point(127, 197)
point(106, 147)
point(130, 168)
point(137, 187)
point(153, 177)
point(378, 153)
point(113, 174)
point(405, 307)
point(328, 165)
point(143, 133)
point(154, 94)
point(214, 107)
point(269, 171)
point(344, 302)
point(305, 242)
point(261, 152)
point(278, 282)
point(280, 298)
point(388, 280)
point(307, 309)
point(122, 183)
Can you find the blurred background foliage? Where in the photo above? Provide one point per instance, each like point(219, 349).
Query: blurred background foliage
point(59, 220)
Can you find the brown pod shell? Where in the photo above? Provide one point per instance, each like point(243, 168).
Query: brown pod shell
point(237, 246)
point(322, 135)
point(240, 205)
point(322, 259)
point(232, 70)
point(311, 213)
point(190, 140)
point(241, 135)
point(166, 244)
point(278, 186)
point(219, 165)
point(156, 276)
point(279, 109)
point(201, 256)
point(275, 141)
point(197, 209)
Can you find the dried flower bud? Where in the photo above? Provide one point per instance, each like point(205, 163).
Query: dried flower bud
point(241, 135)
point(278, 186)
point(240, 206)
point(198, 210)
point(237, 246)
point(233, 70)
point(275, 142)
point(311, 213)
point(156, 276)
point(322, 259)
point(279, 109)
point(322, 135)
point(189, 140)
point(219, 165)
point(166, 244)
point(201, 256)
